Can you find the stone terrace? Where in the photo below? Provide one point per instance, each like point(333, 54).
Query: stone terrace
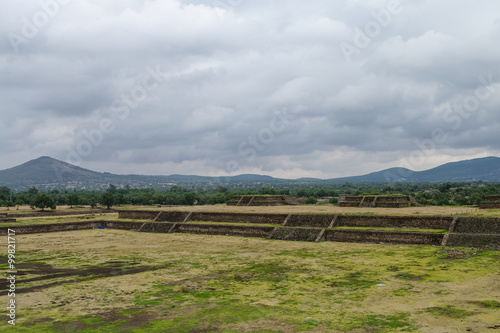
point(261, 200)
point(448, 231)
point(490, 202)
point(379, 201)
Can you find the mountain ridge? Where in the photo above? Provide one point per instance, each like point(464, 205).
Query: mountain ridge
point(47, 172)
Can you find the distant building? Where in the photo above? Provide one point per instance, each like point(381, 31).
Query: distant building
point(491, 201)
point(378, 201)
point(261, 200)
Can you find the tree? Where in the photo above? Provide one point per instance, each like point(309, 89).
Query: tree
point(112, 188)
point(176, 188)
point(334, 200)
point(9, 204)
point(120, 199)
point(443, 188)
point(42, 201)
point(188, 198)
point(301, 193)
point(221, 189)
point(311, 201)
point(4, 193)
point(33, 191)
point(107, 199)
point(19, 202)
point(267, 190)
point(73, 199)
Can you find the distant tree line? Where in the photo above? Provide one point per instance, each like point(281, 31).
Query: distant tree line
point(444, 194)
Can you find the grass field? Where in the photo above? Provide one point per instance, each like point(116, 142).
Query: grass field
point(119, 281)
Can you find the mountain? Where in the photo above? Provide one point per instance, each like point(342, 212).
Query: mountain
point(485, 169)
point(45, 170)
point(47, 173)
point(384, 176)
point(255, 178)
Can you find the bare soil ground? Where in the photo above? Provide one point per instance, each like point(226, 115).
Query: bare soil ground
point(119, 281)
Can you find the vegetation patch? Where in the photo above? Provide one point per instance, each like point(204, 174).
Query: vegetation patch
point(353, 281)
point(448, 311)
point(410, 276)
point(487, 304)
point(377, 323)
point(453, 253)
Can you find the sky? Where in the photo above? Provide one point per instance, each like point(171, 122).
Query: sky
point(318, 88)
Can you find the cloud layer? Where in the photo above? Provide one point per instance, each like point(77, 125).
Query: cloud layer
point(318, 88)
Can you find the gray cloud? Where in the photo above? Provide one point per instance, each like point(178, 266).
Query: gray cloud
point(174, 86)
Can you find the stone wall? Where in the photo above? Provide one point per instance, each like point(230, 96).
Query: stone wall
point(463, 231)
point(475, 232)
point(172, 216)
point(261, 200)
point(474, 240)
point(378, 201)
point(60, 213)
point(122, 225)
point(43, 228)
point(138, 214)
point(157, 227)
point(389, 237)
point(227, 230)
point(419, 222)
point(351, 201)
point(477, 225)
point(239, 217)
point(295, 234)
point(315, 221)
point(267, 201)
point(297, 220)
point(490, 202)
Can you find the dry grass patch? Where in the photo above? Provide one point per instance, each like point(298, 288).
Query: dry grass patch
point(328, 209)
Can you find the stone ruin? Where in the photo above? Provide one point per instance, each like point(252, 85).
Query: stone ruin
point(490, 202)
point(4, 218)
point(379, 201)
point(261, 200)
point(481, 232)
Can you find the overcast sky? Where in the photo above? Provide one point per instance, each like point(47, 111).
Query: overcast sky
point(318, 88)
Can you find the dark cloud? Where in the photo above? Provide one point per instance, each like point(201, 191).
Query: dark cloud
point(175, 86)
